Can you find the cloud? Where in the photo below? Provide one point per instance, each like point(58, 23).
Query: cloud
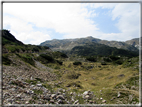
point(128, 16)
point(72, 20)
point(17, 24)
point(66, 18)
point(129, 19)
point(24, 31)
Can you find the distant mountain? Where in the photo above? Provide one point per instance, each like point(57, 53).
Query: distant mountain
point(68, 44)
point(133, 42)
point(93, 49)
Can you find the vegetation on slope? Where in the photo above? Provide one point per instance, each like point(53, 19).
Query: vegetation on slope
point(68, 44)
point(111, 74)
point(99, 49)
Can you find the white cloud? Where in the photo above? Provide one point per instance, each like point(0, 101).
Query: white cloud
point(34, 37)
point(70, 19)
point(129, 22)
point(24, 31)
point(128, 15)
point(16, 24)
point(66, 18)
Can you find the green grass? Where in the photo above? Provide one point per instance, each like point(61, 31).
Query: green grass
point(27, 57)
point(98, 78)
point(38, 91)
point(6, 60)
point(34, 82)
point(48, 86)
point(72, 75)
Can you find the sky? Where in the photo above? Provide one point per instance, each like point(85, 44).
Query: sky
point(34, 23)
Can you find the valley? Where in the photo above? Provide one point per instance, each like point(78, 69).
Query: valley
point(38, 75)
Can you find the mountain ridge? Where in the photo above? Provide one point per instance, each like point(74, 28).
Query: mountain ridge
point(68, 44)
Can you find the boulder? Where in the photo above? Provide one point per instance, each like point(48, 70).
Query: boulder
point(103, 101)
point(52, 101)
point(76, 102)
point(30, 92)
point(87, 97)
point(118, 95)
point(39, 85)
point(53, 95)
point(47, 97)
point(60, 101)
point(60, 97)
point(86, 93)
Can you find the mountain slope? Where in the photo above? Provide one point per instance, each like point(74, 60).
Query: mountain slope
point(68, 44)
point(100, 49)
point(134, 42)
point(27, 53)
point(8, 38)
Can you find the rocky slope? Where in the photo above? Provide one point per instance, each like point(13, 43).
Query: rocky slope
point(68, 44)
point(133, 42)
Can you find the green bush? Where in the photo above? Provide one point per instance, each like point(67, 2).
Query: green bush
point(6, 60)
point(59, 55)
point(35, 49)
point(92, 59)
point(59, 62)
point(57, 67)
point(119, 62)
point(64, 55)
point(77, 63)
point(114, 58)
point(13, 49)
point(47, 57)
point(107, 59)
point(103, 63)
point(27, 58)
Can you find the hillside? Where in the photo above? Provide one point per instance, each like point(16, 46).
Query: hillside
point(92, 49)
point(68, 44)
point(8, 38)
point(133, 42)
point(37, 75)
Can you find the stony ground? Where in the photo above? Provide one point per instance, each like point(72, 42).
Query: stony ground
point(25, 84)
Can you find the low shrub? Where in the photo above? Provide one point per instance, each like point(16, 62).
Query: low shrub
point(92, 59)
point(119, 62)
point(57, 67)
point(59, 62)
point(58, 54)
point(77, 63)
point(27, 58)
point(6, 60)
point(107, 59)
point(103, 63)
point(114, 58)
point(47, 57)
point(73, 75)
